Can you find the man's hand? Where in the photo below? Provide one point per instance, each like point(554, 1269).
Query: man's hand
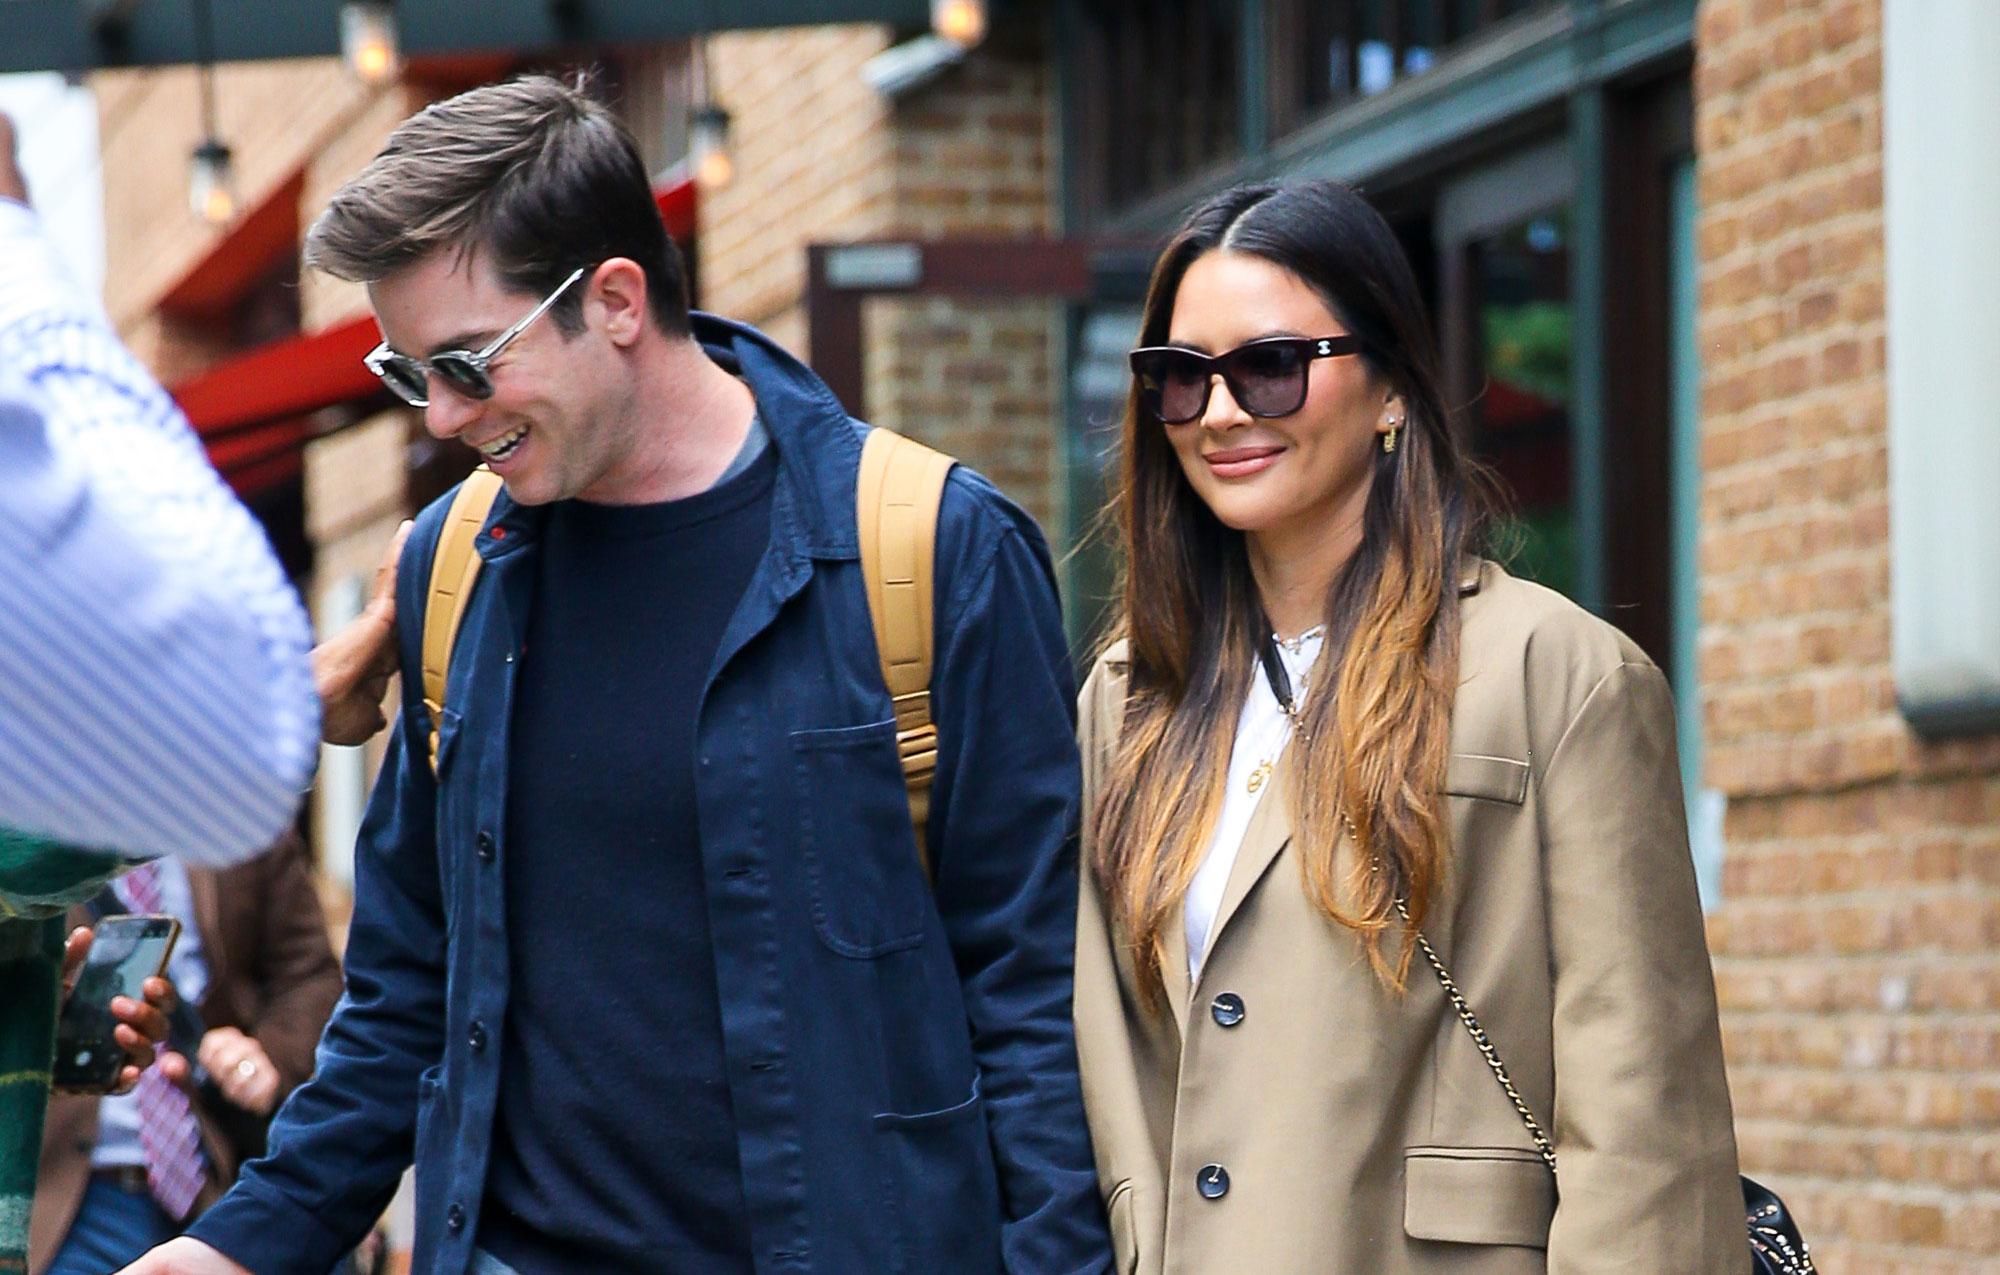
point(184, 1256)
point(241, 1069)
point(352, 668)
point(12, 184)
point(141, 1025)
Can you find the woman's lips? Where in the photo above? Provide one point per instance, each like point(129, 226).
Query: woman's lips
point(1241, 462)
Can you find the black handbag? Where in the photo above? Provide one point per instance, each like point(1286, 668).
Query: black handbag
point(1776, 1247)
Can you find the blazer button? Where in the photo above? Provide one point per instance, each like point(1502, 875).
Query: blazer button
point(486, 847)
point(454, 1219)
point(1227, 1009)
point(477, 1037)
point(1212, 1181)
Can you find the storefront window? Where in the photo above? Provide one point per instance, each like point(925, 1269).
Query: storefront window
point(1099, 377)
point(1325, 54)
point(1157, 89)
point(1520, 419)
point(1161, 90)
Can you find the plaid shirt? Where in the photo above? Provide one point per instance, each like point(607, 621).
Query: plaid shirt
point(155, 695)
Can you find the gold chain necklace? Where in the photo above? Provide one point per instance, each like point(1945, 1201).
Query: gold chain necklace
point(1281, 689)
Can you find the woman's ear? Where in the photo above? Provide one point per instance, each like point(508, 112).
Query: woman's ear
point(1393, 415)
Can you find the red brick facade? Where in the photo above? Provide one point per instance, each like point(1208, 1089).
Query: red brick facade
point(1856, 946)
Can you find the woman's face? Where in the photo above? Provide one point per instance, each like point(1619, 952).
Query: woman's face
point(1308, 472)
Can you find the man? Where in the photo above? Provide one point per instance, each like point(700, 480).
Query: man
point(118, 1174)
point(649, 976)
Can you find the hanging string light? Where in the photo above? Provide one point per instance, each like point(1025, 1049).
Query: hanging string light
point(368, 40)
point(963, 22)
point(211, 180)
point(708, 132)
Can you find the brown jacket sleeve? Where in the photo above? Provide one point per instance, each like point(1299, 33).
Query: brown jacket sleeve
point(291, 977)
point(1643, 1132)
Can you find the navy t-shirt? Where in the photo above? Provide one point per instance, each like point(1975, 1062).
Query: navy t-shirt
point(614, 1146)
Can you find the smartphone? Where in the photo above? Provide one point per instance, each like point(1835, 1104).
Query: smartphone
point(124, 952)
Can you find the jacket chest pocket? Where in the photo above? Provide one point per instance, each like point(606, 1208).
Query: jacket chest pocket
point(869, 896)
point(1487, 776)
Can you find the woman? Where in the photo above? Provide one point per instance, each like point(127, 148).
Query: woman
point(1329, 729)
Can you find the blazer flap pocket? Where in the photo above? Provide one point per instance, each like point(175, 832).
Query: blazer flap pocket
point(1481, 775)
point(1477, 1196)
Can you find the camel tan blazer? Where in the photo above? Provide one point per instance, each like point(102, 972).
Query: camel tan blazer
point(1360, 1131)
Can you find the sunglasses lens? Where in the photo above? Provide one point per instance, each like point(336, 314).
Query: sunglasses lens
point(1268, 378)
point(463, 375)
point(405, 379)
point(1173, 386)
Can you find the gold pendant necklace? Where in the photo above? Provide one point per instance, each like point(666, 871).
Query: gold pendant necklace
point(1281, 690)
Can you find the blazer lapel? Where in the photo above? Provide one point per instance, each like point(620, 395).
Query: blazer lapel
point(1174, 967)
point(1270, 831)
point(208, 924)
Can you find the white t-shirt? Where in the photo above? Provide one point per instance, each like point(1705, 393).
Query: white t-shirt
point(1262, 731)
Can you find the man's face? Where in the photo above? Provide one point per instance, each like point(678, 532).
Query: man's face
point(550, 430)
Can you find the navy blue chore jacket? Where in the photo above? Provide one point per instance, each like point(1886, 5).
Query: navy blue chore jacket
point(900, 1057)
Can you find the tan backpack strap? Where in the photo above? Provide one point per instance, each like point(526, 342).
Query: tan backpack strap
point(454, 567)
point(896, 502)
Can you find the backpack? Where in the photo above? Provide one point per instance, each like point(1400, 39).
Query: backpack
point(897, 496)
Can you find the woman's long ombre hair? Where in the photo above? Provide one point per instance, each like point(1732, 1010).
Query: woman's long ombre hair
point(1375, 738)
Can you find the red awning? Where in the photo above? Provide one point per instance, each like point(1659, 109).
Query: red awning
point(292, 377)
point(253, 412)
point(676, 201)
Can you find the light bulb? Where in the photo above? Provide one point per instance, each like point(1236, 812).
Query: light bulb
point(368, 40)
point(211, 184)
point(963, 22)
point(708, 146)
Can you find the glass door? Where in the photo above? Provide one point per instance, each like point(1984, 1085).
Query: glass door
point(1506, 316)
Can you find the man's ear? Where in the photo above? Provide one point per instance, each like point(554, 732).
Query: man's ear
point(616, 298)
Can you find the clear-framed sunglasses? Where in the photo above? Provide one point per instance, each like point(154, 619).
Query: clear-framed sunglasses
point(465, 371)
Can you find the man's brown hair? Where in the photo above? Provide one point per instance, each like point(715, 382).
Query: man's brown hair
point(533, 172)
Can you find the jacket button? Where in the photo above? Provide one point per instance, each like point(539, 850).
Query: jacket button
point(1227, 1010)
point(1212, 1181)
point(454, 1219)
point(486, 850)
point(477, 1036)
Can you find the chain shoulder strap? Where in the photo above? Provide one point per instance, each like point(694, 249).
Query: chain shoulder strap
point(1463, 1008)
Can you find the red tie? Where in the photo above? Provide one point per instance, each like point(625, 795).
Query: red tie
point(167, 1130)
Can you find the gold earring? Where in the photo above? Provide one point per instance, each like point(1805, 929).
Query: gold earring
point(1389, 439)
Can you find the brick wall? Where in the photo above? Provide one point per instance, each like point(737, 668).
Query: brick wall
point(1856, 946)
point(277, 118)
point(973, 156)
point(823, 158)
point(812, 146)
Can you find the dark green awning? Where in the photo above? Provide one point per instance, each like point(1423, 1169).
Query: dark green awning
point(83, 35)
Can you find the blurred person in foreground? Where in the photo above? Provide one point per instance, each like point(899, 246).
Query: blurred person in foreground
point(647, 975)
point(259, 980)
point(154, 689)
point(155, 692)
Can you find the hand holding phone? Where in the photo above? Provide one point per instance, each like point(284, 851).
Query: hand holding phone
point(95, 1042)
